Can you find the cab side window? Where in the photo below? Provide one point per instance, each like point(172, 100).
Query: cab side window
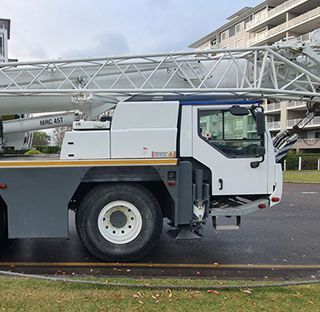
point(234, 136)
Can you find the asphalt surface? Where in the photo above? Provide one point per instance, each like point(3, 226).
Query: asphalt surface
point(279, 241)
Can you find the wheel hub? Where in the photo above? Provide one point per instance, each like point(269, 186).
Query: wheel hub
point(118, 219)
point(120, 222)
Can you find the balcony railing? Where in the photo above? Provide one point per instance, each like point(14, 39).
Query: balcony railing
point(293, 104)
point(273, 107)
point(282, 8)
point(315, 122)
point(308, 144)
point(274, 125)
point(285, 26)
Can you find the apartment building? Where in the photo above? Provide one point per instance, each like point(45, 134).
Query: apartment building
point(265, 24)
point(4, 37)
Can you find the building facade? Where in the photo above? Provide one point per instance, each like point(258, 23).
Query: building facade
point(265, 24)
point(4, 37)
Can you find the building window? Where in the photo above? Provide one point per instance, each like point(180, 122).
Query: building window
point(238, 28)
point(232, 31)
point(1, 45)
point(224, 35)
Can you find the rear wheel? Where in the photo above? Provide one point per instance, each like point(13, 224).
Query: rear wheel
point(120, 222)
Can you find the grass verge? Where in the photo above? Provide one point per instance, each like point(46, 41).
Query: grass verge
point(304, 176)
point(35, 295)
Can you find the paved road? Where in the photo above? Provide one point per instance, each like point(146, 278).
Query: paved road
point(287, 234)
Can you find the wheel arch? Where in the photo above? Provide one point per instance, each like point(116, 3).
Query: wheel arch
point(148, 176)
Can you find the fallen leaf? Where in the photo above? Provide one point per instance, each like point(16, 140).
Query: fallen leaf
point(298, 295)
point(212, 291)
point(246, 291)
point(169, 292)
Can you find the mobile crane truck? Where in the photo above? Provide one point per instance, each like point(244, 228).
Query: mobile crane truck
point(179, 136)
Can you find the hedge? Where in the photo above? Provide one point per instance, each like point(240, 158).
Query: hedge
point(308, 162)
point(46, 149)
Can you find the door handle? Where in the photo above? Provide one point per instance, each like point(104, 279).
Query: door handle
point(221, 184)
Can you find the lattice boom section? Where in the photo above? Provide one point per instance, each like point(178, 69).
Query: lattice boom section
point(253, 72)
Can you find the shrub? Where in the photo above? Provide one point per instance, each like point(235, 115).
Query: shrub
point(32, 152)
point(292, 162)
point(47, 149)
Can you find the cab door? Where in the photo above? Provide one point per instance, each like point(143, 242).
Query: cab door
point(227, 145)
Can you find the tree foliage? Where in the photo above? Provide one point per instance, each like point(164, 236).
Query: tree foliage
point(40, 138)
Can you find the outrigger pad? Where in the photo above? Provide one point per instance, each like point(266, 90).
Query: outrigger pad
point(186, 234)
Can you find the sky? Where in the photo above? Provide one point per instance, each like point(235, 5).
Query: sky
point(42, 29)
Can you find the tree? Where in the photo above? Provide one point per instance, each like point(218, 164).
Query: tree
point(40, 138)
point(58, 135)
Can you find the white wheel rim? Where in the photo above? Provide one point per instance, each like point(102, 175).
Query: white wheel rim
point(128, 226)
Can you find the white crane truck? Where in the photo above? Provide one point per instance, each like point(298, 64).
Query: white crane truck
point(179, 136)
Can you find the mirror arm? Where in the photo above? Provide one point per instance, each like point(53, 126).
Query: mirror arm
point(256, 164)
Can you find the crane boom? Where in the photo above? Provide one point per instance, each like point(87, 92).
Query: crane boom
point(288, 71)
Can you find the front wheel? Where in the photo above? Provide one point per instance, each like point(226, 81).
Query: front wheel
point(121, 222)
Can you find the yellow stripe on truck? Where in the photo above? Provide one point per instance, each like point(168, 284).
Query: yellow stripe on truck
point(87, 163)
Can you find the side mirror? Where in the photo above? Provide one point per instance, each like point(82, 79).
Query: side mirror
point(237, 110)
point(261, 123)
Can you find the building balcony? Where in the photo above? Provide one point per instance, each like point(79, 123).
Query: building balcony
point(274, 125)
point(267, 17)
point(307, 144)
point(273, 108)
point(297, 105)
point(301, 24)
point(314, 123)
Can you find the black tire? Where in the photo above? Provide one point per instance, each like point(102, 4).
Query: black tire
point(3, 228)
point(87, 221)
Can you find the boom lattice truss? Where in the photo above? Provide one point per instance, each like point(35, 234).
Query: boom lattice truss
point(274, 72)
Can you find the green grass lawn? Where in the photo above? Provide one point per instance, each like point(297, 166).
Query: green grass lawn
point(35, 295)
point(304, 176)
